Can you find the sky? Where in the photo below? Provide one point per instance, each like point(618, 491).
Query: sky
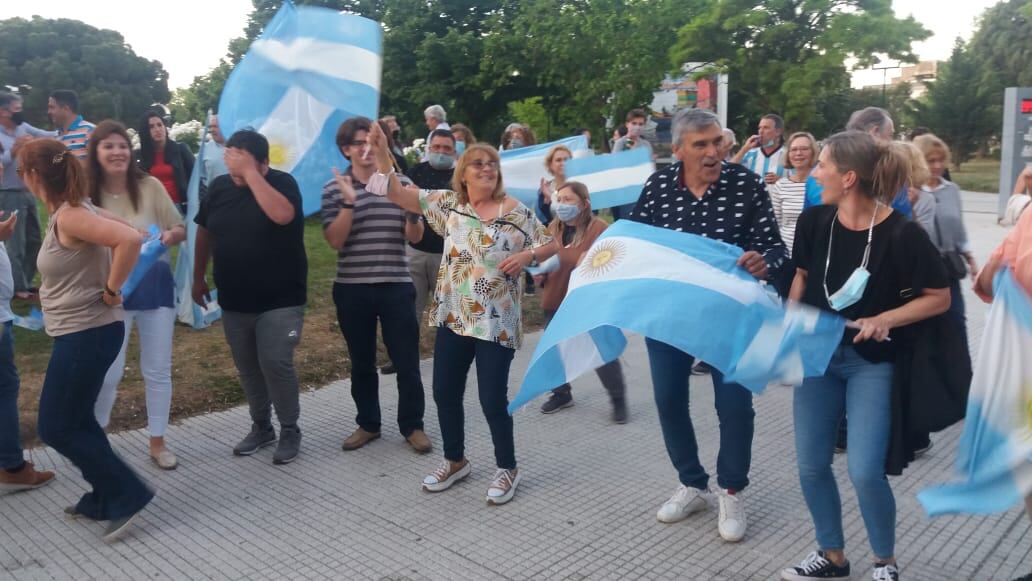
point(190, 36)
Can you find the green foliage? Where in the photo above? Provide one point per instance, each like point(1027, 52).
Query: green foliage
point(202, 95)
point(788, 56)
point(42, 55)
point(1002, 45)
point(961, 111)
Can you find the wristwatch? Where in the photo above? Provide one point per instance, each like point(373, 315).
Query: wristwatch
point(533, 258)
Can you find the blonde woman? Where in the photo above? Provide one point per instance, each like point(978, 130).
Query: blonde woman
point(555, 163)
point(489, 238)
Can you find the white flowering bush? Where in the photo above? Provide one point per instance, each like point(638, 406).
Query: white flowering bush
point(414, 152)
point(188, 133)
point(134, 138)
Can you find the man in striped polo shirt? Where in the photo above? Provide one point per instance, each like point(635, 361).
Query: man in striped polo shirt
point(72, 129)
point(373, 284)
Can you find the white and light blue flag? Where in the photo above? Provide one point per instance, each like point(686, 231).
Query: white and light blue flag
point(523, 168)
point(994, 457)
point(310, 70)
point(686, 291)
point(614, 179)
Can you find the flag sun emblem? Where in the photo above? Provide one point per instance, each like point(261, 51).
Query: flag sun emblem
point(602, 258)
point(281, 155)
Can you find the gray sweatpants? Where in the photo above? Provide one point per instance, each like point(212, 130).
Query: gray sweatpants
point(263, 350)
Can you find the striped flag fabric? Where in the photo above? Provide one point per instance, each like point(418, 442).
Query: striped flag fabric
point(310, 70)
point(523, 168)
point(686, 291)
point(614, 179)
point(994, 457)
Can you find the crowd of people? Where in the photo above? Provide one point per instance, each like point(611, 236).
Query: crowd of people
point(856, 223)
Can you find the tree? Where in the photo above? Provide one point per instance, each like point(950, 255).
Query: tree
point(1002, 45)
point(41, 55)
point(959, 109)
point(788, 56)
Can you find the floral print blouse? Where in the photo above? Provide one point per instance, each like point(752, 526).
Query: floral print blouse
point(473, 298)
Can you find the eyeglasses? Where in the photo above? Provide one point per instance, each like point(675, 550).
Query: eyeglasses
point(358, 143)
point(480, 164)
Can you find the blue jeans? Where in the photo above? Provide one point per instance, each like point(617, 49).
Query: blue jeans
point(671, 369)
point(78, 363)
point(453, 355)
point(11, 455)
point(864, 390)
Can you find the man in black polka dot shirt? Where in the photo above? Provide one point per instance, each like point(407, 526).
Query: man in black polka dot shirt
point(701, 194)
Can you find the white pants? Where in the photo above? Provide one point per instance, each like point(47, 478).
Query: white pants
point(155, 327)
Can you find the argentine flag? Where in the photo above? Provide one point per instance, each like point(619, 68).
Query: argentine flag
point(683, 290)
point(310, 70)
point(523, 168)
point(994, 459)
point(614, 179)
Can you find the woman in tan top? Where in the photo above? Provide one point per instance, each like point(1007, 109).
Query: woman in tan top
point(119, 186)
point(86, 256)
point(576, 229)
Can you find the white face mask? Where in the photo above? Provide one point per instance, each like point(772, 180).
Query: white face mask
point(853, 289)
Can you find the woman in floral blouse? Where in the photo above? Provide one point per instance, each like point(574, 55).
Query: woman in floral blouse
point(489, 238)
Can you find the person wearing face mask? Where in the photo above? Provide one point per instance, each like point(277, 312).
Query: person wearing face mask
point(23, 245)
point(425, 245)
point(119, 186)
point(576, 229)
point(764, 153)
point(517, 135)
point(164, 158)
point(463, 138)
point(635, 124)
point(857, 257)
point(373, 288)
point(555, 162)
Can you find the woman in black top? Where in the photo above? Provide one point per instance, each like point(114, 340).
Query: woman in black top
point(162, 157)
point(854, 236)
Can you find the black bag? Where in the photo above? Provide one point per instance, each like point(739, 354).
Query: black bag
point(956, 266)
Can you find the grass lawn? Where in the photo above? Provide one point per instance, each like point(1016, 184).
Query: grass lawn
point(203, 376)
point(978, 175)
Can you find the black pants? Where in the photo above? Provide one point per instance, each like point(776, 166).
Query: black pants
point(453, 355)
point(359, 307)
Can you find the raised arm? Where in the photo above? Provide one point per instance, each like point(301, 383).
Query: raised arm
point(274, 204)
point(337, 231)
point(405, 197)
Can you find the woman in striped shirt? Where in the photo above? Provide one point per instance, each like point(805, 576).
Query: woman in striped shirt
point(788, 193)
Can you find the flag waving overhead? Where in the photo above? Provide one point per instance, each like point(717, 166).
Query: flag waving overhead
point(310, 70)
point(523, 168)
point(614, 179)
point(683, 290)
point(994, 458)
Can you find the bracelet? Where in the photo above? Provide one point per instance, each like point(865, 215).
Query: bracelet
point(109, 292)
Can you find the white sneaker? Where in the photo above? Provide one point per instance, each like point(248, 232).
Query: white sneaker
point(685, 501)
point(503, 487)
point(732, 516)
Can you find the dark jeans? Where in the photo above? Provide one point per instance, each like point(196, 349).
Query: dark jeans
point(611, 374)
point(11, 455)
point(671, 369)
point(78, 363)
point(359, 307)
point(956, 311)
point(453, 355)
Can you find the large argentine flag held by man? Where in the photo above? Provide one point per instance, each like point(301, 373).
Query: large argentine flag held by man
point(523, 168)
point(994, 458)
point(614, 179)
point(688, 292)
point(310, 70)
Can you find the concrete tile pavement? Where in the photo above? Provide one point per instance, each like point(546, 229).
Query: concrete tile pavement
point(586, 509)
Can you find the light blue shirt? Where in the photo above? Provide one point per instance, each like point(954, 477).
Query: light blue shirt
point(214, 162)
point(11, 180)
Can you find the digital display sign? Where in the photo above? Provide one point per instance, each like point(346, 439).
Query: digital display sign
point(1026, 106)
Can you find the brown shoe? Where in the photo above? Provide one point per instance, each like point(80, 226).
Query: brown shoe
point(25, 479)
point(359, 438)
point(419, 442)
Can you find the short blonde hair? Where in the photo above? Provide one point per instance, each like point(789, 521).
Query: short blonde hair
point(813, 148)
point(551, 155)
point(930, 144)
point(458, 178)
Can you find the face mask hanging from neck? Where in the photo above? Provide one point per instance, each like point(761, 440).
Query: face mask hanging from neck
point(853, 289)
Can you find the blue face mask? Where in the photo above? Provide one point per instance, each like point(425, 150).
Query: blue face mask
point(460, 146)
point(853, 289)
point(440, 160)
point(567, 212)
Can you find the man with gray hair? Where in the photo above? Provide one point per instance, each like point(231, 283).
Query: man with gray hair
point(764, 153)
point(702, 194)
point(436, 118)
point(23, 246)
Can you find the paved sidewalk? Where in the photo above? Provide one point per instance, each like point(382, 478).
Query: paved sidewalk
point(586, 509)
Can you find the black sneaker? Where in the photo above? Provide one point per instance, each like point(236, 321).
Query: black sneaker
point(258, 438)
point(620, 411)
point(388, 369)
point(701, 368)
point(816, 565)
point(288, 447)
point(557, 401)
point(885, 572)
